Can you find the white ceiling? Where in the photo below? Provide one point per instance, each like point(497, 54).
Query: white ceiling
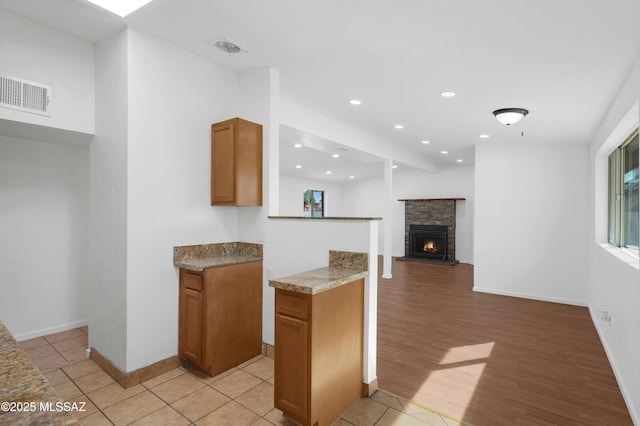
point(317, 156)
point(562, 59)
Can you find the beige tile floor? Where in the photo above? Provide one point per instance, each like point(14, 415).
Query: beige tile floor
point(184, 396)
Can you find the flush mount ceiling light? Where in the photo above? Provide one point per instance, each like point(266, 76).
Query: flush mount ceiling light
point(355, 102)
point(226, 45)
point(120, 7)
point(509, 116)
point(399, 126)
point(447, 94)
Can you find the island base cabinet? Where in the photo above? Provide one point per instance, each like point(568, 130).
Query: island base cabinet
point(220, 316)
point(318, 353)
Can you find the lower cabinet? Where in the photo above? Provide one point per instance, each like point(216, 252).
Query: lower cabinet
point(318, 352)
point(220, 316)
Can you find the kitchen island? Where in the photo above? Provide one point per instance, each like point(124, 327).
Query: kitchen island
point(319, 316)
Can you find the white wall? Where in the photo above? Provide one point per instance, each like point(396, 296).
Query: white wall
point(291, 196)
point(530, 220)
point(258, 100)
point(614, 279)
point(42, 54)
point(44, 231)
point(44, 217)
point(366, 199)
point(302, 118)
point(108, 208)
point(174, 97)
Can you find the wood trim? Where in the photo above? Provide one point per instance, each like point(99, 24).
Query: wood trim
point(369, 389)
point(268, 350)
point(434, 199)
point(132, 378)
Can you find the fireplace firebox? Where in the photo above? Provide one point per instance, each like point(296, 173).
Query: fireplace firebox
point(428, 241)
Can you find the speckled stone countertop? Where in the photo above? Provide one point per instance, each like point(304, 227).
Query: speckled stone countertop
point(199, 257)
point(24, 385)
point(341, 218)
point(344, 267)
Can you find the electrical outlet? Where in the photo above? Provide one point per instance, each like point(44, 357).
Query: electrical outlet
point(605, 316)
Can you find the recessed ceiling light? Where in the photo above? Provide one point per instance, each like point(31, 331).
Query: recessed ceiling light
point(395, 166)
point(399, 126)
point(298, 166)
point(459, 160)
point(120, 7)
point(444, 152)
point(298, 145)
point(352, 177)
point(484, 136)
point(355, 101)
point(447, 94)
point(336, 155)
point(425, 142)
point(328, 172)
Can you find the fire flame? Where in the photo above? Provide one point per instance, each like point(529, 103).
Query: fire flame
point(429, 247)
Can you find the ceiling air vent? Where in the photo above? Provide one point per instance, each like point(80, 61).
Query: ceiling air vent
point(25, 95)
point(226, 45)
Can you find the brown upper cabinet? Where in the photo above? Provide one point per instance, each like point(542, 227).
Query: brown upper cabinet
point(236, 163)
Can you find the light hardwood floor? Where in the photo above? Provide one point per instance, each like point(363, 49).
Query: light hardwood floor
point(488, 359)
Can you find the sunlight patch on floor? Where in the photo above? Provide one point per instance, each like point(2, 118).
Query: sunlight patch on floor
point(467, 353)
point(460, 371)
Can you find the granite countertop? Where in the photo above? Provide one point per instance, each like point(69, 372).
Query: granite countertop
point(344, 267)
point(318, 280)
point(199, 257)
point(341, 218)
point(25, 386)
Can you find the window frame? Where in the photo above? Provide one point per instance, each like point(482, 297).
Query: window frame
point(312, 206)
point(615, 196)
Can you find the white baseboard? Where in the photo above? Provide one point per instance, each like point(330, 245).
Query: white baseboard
point(531, 296)
point(633, 411)
point(46, 331)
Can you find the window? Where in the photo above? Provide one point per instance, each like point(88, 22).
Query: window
point(313, 203)
point(623, 195)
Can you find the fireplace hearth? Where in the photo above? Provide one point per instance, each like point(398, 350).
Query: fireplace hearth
point(428, 242)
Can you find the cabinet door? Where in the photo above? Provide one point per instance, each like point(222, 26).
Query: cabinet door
point(291, 391)
point(190, 325)
point(223, 162)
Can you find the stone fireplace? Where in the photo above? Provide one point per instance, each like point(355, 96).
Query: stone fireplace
point(430, 229)
point(428, 241)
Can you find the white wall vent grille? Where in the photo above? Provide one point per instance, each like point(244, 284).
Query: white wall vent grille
point(25, 95)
